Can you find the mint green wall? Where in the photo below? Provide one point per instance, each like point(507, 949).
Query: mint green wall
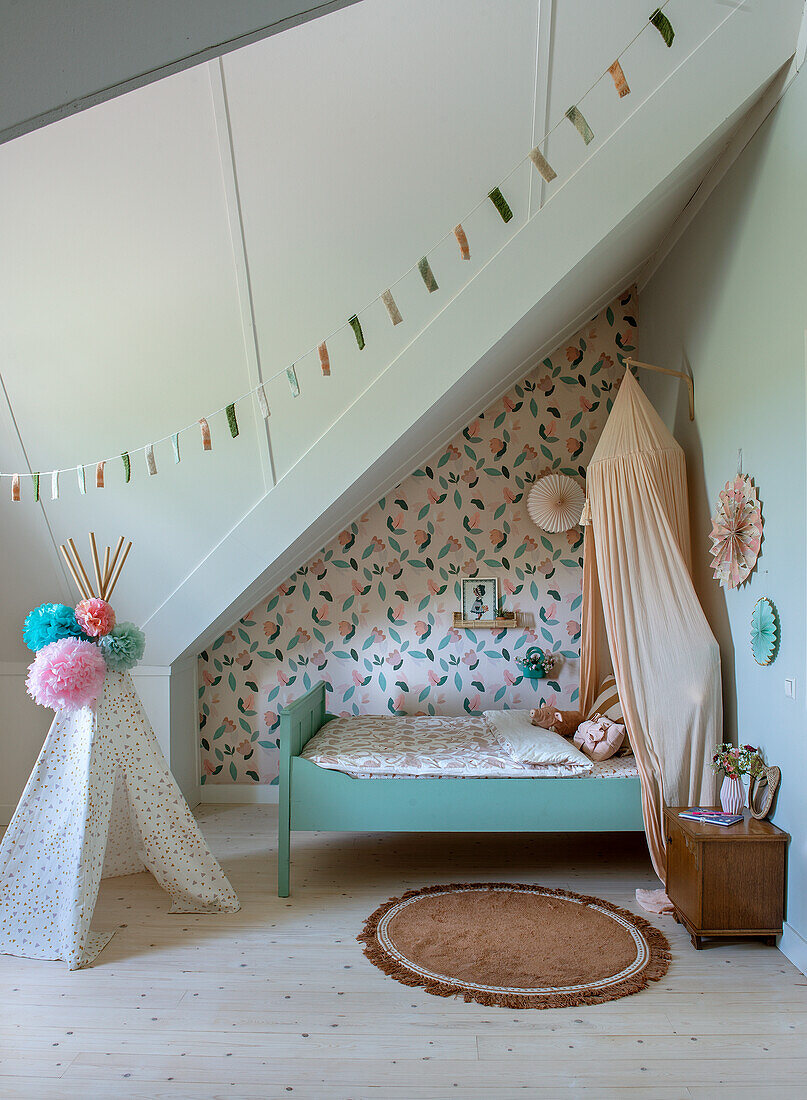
point(731, 299)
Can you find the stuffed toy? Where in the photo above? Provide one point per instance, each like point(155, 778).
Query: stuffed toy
point(564, 722)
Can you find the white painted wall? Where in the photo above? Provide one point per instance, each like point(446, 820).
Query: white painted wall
point(730, 302)
point(356, 140)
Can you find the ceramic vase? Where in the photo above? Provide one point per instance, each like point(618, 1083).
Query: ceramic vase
point(732, 795)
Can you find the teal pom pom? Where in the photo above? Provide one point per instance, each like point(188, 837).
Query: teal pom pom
point(48, 623)
point(123, 647)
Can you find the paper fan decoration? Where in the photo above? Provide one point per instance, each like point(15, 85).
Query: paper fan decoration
point(736, 532)
point(555, 503)
point(764, 631)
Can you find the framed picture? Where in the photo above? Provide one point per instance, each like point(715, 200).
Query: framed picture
point(480, 599)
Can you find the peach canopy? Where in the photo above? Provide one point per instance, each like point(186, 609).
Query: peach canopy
point(641, 615)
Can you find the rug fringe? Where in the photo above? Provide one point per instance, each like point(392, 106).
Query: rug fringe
point(656, 968)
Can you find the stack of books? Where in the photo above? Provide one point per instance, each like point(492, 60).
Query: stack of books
point(710, 817)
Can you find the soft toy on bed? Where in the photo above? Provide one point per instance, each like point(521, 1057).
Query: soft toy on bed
point(564, 722)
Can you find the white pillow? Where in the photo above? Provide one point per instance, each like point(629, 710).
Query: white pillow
point(532, 745)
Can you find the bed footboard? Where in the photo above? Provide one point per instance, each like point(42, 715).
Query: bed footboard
point(299, 721)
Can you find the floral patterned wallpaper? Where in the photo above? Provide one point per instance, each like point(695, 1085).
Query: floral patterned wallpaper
point(371, 614)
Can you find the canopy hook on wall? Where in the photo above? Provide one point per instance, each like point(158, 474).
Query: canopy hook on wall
point(667, 370)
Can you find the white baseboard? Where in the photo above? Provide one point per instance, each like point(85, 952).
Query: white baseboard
point(794, 947)
point(229, 793)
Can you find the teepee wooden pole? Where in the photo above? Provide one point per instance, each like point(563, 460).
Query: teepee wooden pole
point(114, 562)
point(105, 573)
point(118, 570)
point(96, 565)
point(82, 570)
point(82, 591)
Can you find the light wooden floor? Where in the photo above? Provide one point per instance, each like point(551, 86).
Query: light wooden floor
point(279, 1001)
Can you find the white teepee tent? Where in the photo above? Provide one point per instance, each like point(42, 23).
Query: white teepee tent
point(100, 802)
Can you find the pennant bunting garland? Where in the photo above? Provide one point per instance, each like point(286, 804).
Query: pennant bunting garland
point(324, 361)
point(501, 204)
point(663, 26)
point(427, 275)
point(391, 307)
point(575, 116)
point(542, 164)
point(462, 241)
point(620, 83)
point(355, 324)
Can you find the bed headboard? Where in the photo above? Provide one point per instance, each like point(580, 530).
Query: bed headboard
point(300, 720)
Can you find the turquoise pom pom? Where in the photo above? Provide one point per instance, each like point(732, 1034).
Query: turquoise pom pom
point(48, 623)
point(123, 647)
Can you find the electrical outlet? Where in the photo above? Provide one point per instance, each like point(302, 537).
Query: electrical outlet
point(790, 689)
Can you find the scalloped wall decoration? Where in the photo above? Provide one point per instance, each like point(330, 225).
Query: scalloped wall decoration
point(555, 503)
point(736, 534)
point(764, 631)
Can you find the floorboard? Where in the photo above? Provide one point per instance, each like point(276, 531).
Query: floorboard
point(278, 1000)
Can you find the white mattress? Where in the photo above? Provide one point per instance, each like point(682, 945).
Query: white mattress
point(372, 746)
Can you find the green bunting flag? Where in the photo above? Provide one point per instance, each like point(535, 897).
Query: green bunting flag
point(663, 26)
point(427, 275)
point(294, 385)
point(127, 467)
point(355, 324)
point(36, 486)
point(231, 420)
point(575, 116)
point(82, 484)
point(501, 204)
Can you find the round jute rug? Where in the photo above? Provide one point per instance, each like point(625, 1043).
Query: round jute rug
point(514, 945)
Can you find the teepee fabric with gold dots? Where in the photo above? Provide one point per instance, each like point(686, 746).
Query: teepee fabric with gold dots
point(100, 802)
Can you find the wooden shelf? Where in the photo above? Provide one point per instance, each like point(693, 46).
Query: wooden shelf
point(507, 621)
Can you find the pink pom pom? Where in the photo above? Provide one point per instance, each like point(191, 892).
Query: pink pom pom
point(66, 675)
point(95, 617)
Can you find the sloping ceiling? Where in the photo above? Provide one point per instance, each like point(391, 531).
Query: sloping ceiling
point(167, 250)
point(57, 59)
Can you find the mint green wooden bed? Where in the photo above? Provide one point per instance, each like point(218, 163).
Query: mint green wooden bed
point(315, 798)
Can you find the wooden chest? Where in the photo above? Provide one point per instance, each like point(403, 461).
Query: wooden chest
point(726, 881)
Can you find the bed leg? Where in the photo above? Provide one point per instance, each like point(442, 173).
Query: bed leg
point(284, 823)
point(283, 860)
point(283, 841)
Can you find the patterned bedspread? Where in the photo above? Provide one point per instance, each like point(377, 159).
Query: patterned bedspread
point(382, 745)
